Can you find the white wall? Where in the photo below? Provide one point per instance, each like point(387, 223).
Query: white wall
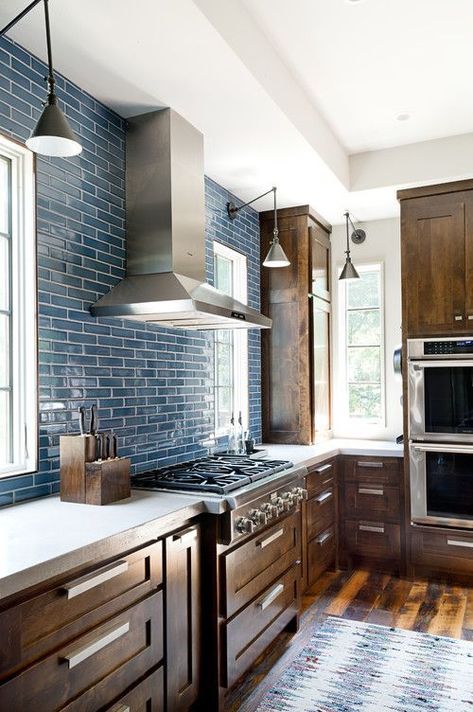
point(382, 244)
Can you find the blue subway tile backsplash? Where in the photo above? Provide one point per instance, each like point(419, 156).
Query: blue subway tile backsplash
point(153, 386)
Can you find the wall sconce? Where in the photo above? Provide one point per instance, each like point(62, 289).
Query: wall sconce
point(52, 135)
point(276, 256)
point(358, 236)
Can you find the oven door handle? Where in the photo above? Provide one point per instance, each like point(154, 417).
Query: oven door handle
point(443, 447)
point(442, 362)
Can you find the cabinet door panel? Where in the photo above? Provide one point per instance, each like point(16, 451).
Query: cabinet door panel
point(182, 618)
point(433, 252)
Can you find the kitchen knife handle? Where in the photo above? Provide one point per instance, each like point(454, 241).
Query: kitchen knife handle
point(98, 447)
point(103, 446)
point(81, 410)
point(112, 445)
point(93, 420)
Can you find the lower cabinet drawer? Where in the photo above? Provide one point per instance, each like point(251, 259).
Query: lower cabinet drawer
point(320, 477)
point(320, 554)
point(51, 619)
point(249, 568)
point(88, 672)
point(147, 696)
point(251, 631)
point(320, 512)
point(447, 551)
point(371, 500)
point(372, 539)
point(376, 470)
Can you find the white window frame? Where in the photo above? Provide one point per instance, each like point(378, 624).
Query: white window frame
point(240, 338)
point(359, 426)
point(23, 291)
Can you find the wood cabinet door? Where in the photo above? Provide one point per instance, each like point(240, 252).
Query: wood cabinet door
point(182, 585)
point(433, 264)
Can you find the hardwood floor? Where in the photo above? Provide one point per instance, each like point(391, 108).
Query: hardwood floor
point(434, 608)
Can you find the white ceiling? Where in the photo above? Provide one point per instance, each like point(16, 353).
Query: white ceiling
point(364, 63)
point(284, 91)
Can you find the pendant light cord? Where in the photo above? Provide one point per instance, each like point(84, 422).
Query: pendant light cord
point(275, 230)
point(50, 78)
point(347, 251)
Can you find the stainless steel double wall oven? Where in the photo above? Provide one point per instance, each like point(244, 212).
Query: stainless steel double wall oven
point(440, 392)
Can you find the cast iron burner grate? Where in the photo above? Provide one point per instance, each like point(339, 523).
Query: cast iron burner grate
point(219, 474)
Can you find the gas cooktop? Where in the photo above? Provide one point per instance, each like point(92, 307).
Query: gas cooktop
point(219, 474)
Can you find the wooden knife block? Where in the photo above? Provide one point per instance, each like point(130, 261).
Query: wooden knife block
point(107, 480)
point(88, 481)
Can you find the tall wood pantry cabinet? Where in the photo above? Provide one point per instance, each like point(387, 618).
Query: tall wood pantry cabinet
point(295, 352)
point(437, 259)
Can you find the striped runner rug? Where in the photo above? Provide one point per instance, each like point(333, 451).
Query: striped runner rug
point(349, 666)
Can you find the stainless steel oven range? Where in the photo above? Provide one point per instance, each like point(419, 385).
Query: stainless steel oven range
point(440, 396)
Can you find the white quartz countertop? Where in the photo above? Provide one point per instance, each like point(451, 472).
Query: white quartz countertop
point(313, 454)
point(45, 537)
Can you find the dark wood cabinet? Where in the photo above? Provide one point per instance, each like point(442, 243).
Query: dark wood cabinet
point(371, 512)
point(295, 352)
point(437, 256)
point(319, 521)
point(183, 624)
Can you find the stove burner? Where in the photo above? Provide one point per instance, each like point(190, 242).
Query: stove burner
point(219, 474)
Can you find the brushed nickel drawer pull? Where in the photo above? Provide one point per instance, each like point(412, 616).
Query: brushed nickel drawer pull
point(470, 317)
point(457, 542)
point(272, 595)
point(83, 652)
point(324, 468)
point(120, 708)
point(378, 465)
point(458, 317)
point(270, 539)
point(96, 578)
point(185, 538)
point(369, 490)
point(371, 528)
point(324, 497)
point(320, 540)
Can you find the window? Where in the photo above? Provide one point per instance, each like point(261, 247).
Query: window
point(362, 339)
point(231, 346)
point(18, 399)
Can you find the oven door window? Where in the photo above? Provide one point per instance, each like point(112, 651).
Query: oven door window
point(449, 485)
point(448, 393)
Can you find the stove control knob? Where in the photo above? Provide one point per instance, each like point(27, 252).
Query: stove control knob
point(279, 504)
point(258, 516)
point(300, 493)
point(290, 500)
point(244, 525)
point(266, 507)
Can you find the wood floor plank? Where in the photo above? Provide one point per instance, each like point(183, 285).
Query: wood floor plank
point(468, 618)
point(390, 602)
point(429, 607)
point(348, 592)
point(449, 617)
point(367, 597)
point(408, 612)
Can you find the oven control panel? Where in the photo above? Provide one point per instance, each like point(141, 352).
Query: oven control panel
point(448, 347)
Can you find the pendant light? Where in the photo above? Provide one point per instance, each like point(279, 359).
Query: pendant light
point(348, 271)
point(52, 135)
point(276, 256)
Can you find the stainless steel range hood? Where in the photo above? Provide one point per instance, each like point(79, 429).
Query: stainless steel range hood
point(165, 221)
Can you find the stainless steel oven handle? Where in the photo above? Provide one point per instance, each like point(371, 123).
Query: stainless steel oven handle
point(443, 447)
point(444, 362)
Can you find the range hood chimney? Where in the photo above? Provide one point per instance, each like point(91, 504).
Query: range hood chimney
point(165, 280)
